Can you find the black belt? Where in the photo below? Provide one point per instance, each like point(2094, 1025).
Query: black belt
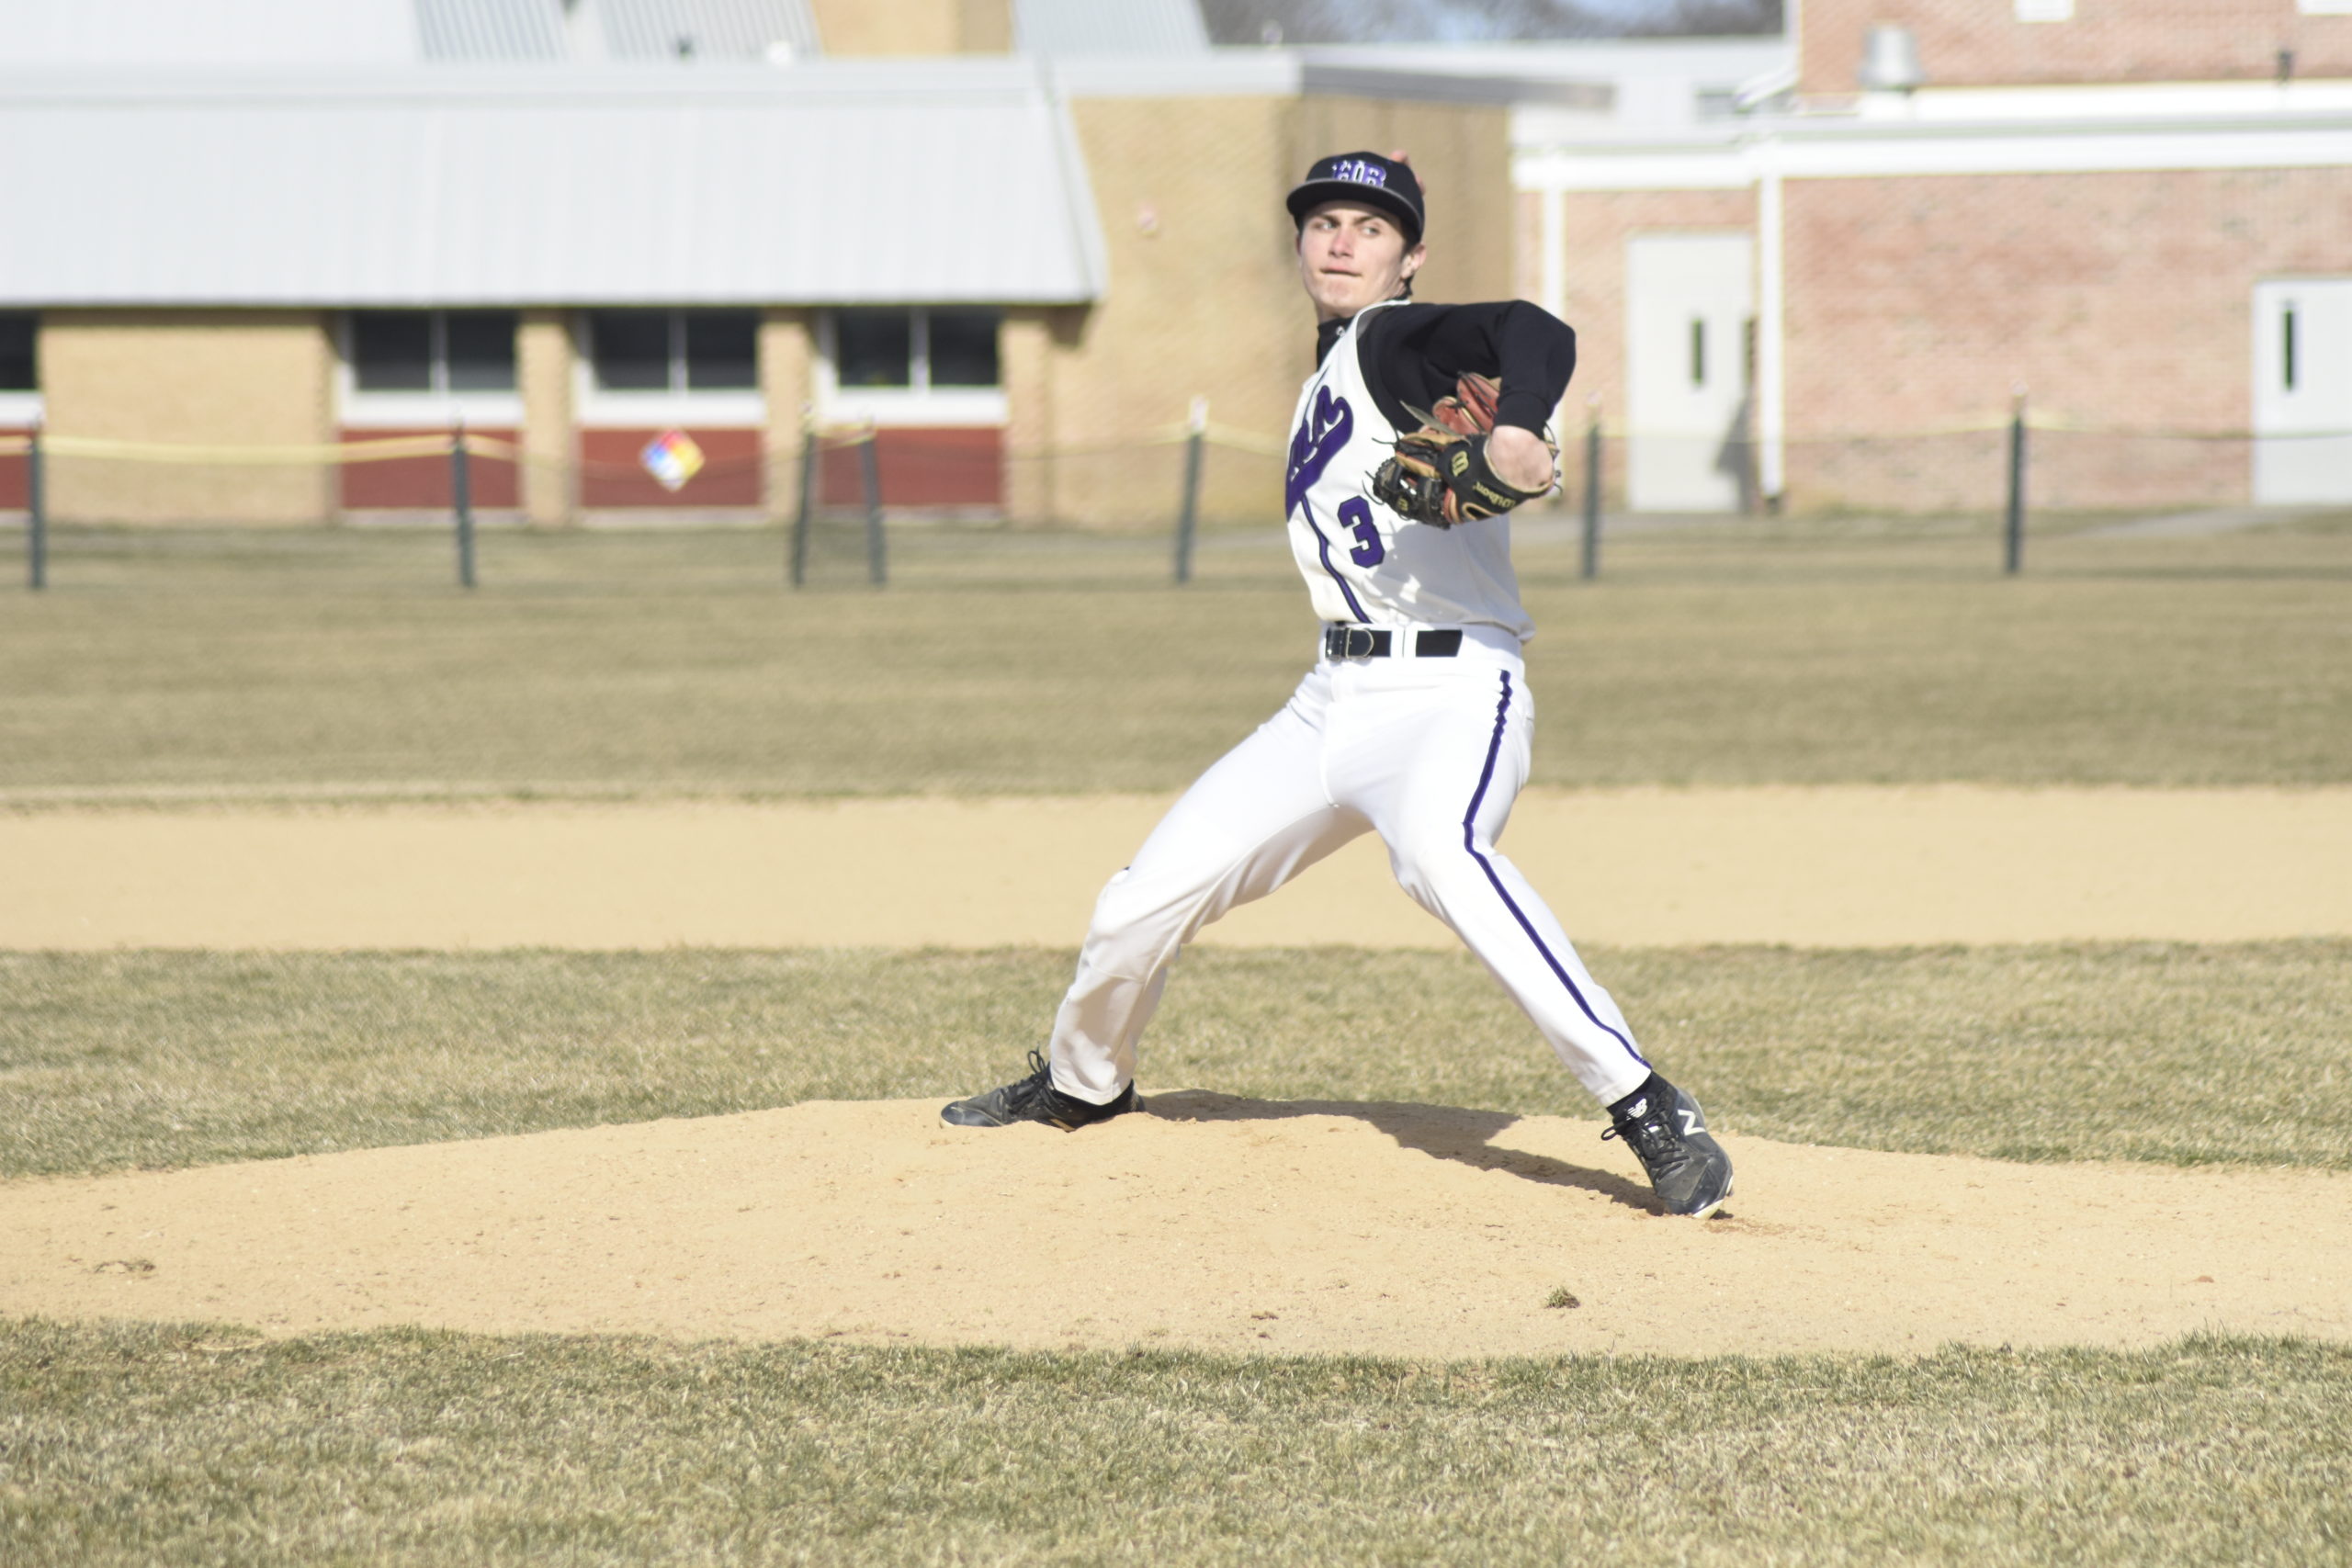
point(1364, 642)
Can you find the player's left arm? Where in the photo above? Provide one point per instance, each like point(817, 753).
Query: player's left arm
point(1420, 351)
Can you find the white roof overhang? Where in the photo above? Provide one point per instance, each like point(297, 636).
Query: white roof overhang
point(829, 183)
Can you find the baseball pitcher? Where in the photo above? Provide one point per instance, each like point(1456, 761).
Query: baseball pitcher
point(1422, 428)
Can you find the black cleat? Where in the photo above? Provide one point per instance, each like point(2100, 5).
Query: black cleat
point(1034, 1098)
point(1668, 1133)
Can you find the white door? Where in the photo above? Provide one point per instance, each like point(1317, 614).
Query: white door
point(2302, 391)
point(1688, 300)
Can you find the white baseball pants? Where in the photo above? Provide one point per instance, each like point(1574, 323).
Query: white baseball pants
point(1428, 754)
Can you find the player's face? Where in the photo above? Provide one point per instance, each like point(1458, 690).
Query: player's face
point(1350, 258)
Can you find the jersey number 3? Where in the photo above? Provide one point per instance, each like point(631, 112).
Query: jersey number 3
point(1357, 514)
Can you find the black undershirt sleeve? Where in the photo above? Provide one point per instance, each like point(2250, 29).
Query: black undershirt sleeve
point(1412, 354)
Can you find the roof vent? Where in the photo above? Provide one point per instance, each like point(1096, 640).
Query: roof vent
point(1891, 60)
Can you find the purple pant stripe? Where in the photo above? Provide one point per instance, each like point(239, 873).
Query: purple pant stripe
point(1469, 842)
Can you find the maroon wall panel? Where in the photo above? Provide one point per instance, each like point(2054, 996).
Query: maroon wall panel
point(16, 482)
point(423, 482)
point(942, 466)
point(612, 476)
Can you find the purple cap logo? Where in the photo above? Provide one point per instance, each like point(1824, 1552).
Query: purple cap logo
point(1357, 171)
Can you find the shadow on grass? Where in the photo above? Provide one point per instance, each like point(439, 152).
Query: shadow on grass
point(1442, 1131)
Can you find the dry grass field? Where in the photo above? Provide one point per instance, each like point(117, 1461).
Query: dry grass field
point(167, 672)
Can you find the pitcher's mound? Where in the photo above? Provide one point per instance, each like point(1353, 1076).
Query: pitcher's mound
point(1208, 1220)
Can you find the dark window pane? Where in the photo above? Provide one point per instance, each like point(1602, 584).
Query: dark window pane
point(391, 351)
point(963, 348)
point(722, 349)
point(875, 347)
point(632, 350)
point(482, 351)
point(17, 366)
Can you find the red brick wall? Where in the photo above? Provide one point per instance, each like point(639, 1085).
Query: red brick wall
point(2121, 301)
point(1981, 42)
point(423, 482)
point(611, 475)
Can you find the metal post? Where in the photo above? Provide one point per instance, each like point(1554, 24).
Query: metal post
point(807, 517)
point(36, 516)
point(877, 565)
point(1592, 498)
point(2013, 535)
point(1188, 519)
point(461, 498)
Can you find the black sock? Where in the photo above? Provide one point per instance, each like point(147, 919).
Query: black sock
point(1650, 1085)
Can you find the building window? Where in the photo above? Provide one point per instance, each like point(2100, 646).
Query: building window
point(674, 351)
point(19, 368)
point(875, 348)
point(433, 352)
point(911, 365)
point(960, 348)
point(915, 349)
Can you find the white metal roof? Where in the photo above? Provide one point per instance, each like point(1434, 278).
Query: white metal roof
point(491, 30)
point(201, 34)
point(832, 183)
point(192, 34)
point(701, 29)
point(1108, 27)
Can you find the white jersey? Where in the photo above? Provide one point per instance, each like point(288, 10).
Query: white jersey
point(1362, 561)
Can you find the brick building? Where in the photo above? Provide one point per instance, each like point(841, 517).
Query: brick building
point(2138, 213)
point(1017, 251)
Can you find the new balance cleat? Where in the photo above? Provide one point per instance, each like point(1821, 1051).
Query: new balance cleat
point(1034, 1098)
point(1668, 1133)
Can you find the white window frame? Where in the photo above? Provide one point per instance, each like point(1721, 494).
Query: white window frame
point(439, 407)
point(916, 403)
point(679, 405)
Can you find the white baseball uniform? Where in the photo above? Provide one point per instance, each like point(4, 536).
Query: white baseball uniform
point(1427, 750)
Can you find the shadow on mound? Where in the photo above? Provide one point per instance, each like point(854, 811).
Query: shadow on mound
point(1442, 1131)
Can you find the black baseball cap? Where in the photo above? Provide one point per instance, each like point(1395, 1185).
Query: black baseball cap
point(1367, 178)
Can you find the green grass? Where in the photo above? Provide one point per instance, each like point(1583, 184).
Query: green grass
point(2154, 1052)
point(158, 1445)
point(344, 663)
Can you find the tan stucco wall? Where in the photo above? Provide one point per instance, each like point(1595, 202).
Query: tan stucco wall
point(914, 26)
point(1024, 358)
point(787, 347)
point(206, 377)
point(545, 363)
point(984, 26)
point(1202, 300)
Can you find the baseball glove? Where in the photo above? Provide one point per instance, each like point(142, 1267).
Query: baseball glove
point(1439, 474)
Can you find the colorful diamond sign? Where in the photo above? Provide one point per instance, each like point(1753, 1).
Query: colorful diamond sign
point(673, 459)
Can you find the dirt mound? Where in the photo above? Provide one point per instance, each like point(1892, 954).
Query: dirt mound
point(1212, 1222)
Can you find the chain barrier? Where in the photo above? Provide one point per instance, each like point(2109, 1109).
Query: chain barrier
point(1954, 466)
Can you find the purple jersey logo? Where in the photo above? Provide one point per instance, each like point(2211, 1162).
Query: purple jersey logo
point(1328, 423)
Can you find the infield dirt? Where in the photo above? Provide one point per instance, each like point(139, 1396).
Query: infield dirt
point(1833, 867)
point(1208, 1221)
